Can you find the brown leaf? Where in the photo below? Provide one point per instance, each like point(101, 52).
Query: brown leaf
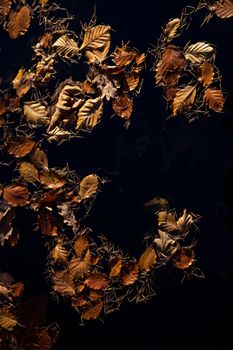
point(81, 246)
point(16, 195)
point(8, 322)
point(199, 52)
point(97, 281)
point(170, 94)
point(123, 106)
point(92, 312)
point(116, 266)
point(79, 301)
point(170, 67)
point(147, 259)
point(94, 295)
point(184, 99)
point(22, 82)
point(132, 80)
point(124, 55)
point(28, 172)
point(20, 147)
point(39, 159)
point(63, 283)
point(206, 73)
point(139, 59)
point(5, 7)
point(183, 258)
point(88, 186)
point(47, 222)
point(19, 22)
point(17, 289)
point(90, 114)
point(59, 253)
point(51, 179)
point(171, 28)
point(80, 267)
point(214, 99)
point(130, 273)
point(88, 87)
point(223, 8)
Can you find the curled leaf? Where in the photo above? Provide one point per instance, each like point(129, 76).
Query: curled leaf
point(22, 82)
point(123, 56)
point(206, 73)
point(184, 99)
point(147, 259)
point(66, 46)
point(183, 258)
point(172, 27)
point(199, 52)
point(35, 113)
point(123, 106)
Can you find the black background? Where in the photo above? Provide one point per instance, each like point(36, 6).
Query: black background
point(189, 164)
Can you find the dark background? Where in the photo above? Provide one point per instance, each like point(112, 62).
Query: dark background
point(191, 165)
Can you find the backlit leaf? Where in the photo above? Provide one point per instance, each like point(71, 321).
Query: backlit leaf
point(19, 22)
point(199, 52)
point(66, 46)
point(16, 195)
point(206, 73)
point(184, 99)
point(147, 259)
point(214, 99)
point(223, 8)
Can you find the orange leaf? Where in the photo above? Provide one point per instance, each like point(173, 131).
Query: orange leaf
point(20, 147)
point(206, 73)
point(19, 22)
point(130, 274)
point(116, 266)
point(123, 56)
point(51, 179)
point(123, 106)
point(214, 99)
point(47, 222)
point(80, 246)
point(16, 195)
point(97, 281)
point(147, 259)
point(17, 289)
point(5, 7)
point(92, 312)
point(183, 258)
point(22, 82)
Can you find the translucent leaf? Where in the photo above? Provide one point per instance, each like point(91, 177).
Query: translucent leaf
point(206, 73)
point(171, 28)
point(96, 37)
point(35, 113)
point(214, 99)
point(124, 55)
point(223, 8)
point(28, 172)
point(199, 52)
point(90, 114)
point(184, 99)
point(16, 195)
point(88, 186)
point(66, 46)
point(19, 22)
point(147, 259)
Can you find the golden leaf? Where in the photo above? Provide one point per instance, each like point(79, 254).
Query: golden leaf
point(43, 2)
point(123, 106)
point(92, 312)
point(116, 266)
point(80, 267)
point(51, 179)
point(184, 99)
point(124, 55)
point(130, 273)
point(167, 220)
point(28, 172)
point(66, 46)
point(132, 80)
point(79, 301)
point(214, 99)
point(97, 281)
point(206, 73)
point(5, 7)
point(19, 22)
point(20, 147)
point(80, 246)
point(185, 221)
point(35, 113)
point(183, 258)
point(140, 58)
point(16, 195)
point(147, 259)
point(88, 186)
point(171, 28)
point(59, 253)
point(97, 55)
point(90, 114)
point(7, 322)
point(199, 52)
point(96, 37)
point(223, 8)
point(22, 82)
point(39, 159)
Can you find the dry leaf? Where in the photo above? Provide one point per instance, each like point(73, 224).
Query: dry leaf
point(88, 186)
point(167, 220)
point(66, 46)
point(206, 73)
point(116, 266)
point(17, 289)
point(223, 8)
point(20, 147)
point(165, 245)
point(8, 322)
point(39, 159)
point(35, 113)
point(199, 52)
point(171, 28)
point(22, 82)
point(28, 172)
point(51, 179)
point(94, 295)
point(59, 253)
point(92, 312)
point(63, 283)
point(47, 222)
point(184, 99)
point(19, 22)
point(79, 301)
point(16, 195)
point(171, 94)
point(80, 267)
point(185, 221)
point(5, 7)
point(183, 258)
point(124, 55)
point(97, 55)
point(139, 59)
point(147, 259)
point(132, 80)
point(90, 114)
point(80, 246)
point(130, 273)
point(123, 106)
point(7, 215)
point(97, 281)
point(88, 87)
point(214, 99)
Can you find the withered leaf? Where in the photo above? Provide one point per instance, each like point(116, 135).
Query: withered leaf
point(214, 99)
point(22, 82)
point(47, 222)
point(223, 8)
point(28, 172)
point(7, 215)
point(97, 55)
point(20, 147)
point(130, 273)
point(80, 267)
point(79, 301)
point(147, 259)
point(36, 113)
point(165, 245)
point(5, 7)
point(59, 253)
point(140, 58)
point(97, 281)
point(90, 114)
point(184, 99)
point(66, 46)
point(185, 221)
point(124, 55)
point(39, 159)
point(206, 73)
point(88, 87)
point(183, 258)
point(171, 94)
point(116, 266)
point(19, 22)
point(51, 179)
point(92, 312)
point(88, 186)
point(17, 289)
point(80, 246)
point(132, 80)
point(123, 106)
point(95, 295)
point(16, 195)
point(199, 52)
point(167, 220)
point(171, 28)
point(8, 322)
point(63, 283)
